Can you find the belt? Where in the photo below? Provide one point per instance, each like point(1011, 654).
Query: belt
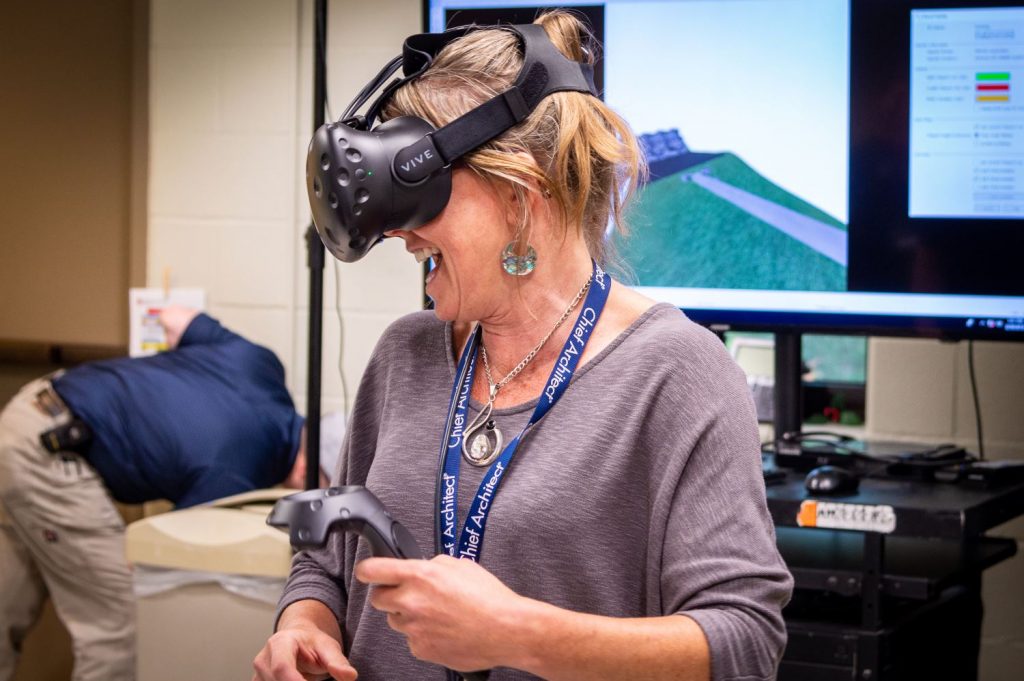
point(48, 401)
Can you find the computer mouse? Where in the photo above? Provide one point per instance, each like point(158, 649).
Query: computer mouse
point(831, 480)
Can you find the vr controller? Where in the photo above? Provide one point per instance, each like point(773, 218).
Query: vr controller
point(309, 517)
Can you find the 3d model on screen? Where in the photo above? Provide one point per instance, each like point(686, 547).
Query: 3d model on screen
point(709, 220)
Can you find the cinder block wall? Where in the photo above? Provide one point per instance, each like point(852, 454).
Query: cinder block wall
point(920, 389)
point(231, 115)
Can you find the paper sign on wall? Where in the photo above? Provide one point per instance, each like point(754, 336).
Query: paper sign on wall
point(146, 336)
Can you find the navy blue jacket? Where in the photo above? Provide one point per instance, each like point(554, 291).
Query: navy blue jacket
point(206, 420)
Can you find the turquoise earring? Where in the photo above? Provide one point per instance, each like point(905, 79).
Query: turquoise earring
point(518, 265)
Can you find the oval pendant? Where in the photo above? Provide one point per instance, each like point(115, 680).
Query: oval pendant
point(485, 442)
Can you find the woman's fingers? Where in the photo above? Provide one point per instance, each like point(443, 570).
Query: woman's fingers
point(336, 664)
point(394, 621)
point(445, 607)
point(277, 661)
point(380, 598)
point(387, 571)
point(297, 655)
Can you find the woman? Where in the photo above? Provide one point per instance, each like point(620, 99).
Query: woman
point(628, 537)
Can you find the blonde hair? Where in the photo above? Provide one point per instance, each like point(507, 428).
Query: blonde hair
point(572, 147)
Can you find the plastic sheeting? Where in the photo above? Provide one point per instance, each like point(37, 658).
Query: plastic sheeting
point(151, 581)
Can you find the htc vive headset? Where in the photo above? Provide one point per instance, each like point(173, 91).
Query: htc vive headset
point(363, 180)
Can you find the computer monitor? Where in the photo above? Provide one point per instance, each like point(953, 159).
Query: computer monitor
point(838, 166)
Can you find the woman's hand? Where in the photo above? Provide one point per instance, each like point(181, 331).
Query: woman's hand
point(302, 649)
point(453, 612)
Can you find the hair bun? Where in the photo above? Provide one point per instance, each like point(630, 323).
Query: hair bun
point(570, 34)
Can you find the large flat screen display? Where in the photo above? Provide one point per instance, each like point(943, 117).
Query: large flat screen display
point(827, 165)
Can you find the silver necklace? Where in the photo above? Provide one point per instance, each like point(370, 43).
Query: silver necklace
point(482, 440)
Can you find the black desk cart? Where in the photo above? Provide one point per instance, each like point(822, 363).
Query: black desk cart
point(888, 580)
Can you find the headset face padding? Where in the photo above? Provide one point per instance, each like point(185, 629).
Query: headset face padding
point(364, 182)
point(352, 192)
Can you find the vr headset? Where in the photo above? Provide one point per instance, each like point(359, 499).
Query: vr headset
point(363, 180)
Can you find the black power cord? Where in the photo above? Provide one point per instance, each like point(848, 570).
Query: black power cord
point(826, 443)
point(974, 394)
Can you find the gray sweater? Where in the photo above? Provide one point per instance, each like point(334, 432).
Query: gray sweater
point(639, 494)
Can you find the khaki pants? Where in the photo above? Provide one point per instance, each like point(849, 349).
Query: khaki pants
point(61, 535)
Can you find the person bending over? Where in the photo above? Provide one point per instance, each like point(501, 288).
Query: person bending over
point(626, 534)
point(208, 419)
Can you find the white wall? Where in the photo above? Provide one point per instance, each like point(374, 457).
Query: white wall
point(920, 390)
point(230, 103)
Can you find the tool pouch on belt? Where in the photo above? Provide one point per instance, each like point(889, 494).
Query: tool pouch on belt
point(74, 436)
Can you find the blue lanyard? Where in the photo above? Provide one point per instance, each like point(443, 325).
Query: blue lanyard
point(471, 539)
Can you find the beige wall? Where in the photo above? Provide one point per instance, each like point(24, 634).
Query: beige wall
point(921, 390)
point(231, 85)
point(72, 214)
point(66, 170)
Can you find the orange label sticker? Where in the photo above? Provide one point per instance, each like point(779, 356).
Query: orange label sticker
point(835, 516)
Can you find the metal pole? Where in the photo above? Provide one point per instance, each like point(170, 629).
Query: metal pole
point(315, 261)
point(788, 393)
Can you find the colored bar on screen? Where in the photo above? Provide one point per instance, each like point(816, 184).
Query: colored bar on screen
point(994, 76)
point(987, 88)
point(993, 98)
